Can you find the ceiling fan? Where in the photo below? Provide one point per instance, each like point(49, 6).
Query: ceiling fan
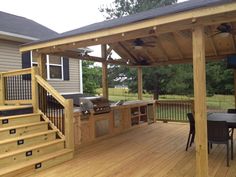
point(224, 30)
point(139, 44)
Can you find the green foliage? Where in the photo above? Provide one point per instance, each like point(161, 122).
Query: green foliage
point(170, 79)
point(91, 77)
point(120, 8)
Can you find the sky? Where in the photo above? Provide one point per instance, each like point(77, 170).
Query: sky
point(58, 15)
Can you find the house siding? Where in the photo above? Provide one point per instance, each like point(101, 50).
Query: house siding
point(72, 85)
point(10, 59)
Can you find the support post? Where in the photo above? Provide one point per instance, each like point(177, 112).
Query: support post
point(140, 83)
point(69, 126)
point(41, 60)
point(2, 90)
point(235, 87)
point(200, 101)
point(104, 73)
point(35, 103)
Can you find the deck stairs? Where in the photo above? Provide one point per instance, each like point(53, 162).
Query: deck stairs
point(28, 143)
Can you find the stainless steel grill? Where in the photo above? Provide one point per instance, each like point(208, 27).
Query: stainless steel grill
point(99, 105)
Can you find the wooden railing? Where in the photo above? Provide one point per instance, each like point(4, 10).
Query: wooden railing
point(27, 87)
point(57, 109)
point(174, 110)
point(16, 87)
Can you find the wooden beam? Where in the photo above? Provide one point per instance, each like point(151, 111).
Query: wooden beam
point(73, 54)
point(161, 48)
point(200, 101)
point(146, 52)
point(176, 45)
point(205, 16)
point(132, 57)
point(35, 95)
point(211, 40)
point(2, 90)
point(109, 50)
point(235, 87)
point(140, 83)
point(104, 73)
point(41, 60)
point(69, 125)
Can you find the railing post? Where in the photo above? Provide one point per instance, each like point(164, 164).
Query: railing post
point(155, 111)
point(69, 126)
point(35, 103)
point(2, 90)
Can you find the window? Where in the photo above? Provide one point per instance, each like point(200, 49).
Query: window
point(54, 65)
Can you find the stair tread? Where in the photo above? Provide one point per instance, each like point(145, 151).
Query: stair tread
point(23, 125)
point(34, 161)
point(27, 136)
point(31, 148)
point(18, 116)
point(13, 107)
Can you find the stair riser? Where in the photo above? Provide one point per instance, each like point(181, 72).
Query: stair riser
point(9, 147)
point(20, 121)
point(46, 164)
point(23, 131)
point(4, 162)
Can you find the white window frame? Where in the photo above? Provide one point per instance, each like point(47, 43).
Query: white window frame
point(48, 67)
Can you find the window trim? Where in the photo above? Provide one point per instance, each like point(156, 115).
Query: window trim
point(48, 67)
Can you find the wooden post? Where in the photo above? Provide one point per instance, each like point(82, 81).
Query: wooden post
point(200, 101)
point(235, 87)
point(2, 90)
point(140, 83)
point(69, 126)
point(34, 72)
point(104, 73)
point(41, 60)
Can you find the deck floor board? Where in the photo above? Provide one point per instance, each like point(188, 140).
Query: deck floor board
point(157, 150)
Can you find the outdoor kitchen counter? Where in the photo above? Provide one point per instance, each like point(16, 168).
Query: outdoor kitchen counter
point(92, 127)
point(129, 104)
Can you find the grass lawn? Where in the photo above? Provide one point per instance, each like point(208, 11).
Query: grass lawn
point(216, 102)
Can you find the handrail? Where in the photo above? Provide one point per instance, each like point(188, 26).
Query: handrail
point(50, 89)
point(16, 72)
point(55, 107)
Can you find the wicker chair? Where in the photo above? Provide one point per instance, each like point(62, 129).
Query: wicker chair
point(218, 133)
point(191, 134)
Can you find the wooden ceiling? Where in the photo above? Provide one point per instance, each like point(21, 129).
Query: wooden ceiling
point(175, 47)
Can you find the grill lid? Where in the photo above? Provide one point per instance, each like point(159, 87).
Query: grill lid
point(98, 104)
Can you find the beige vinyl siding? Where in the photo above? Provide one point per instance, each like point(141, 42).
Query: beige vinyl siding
point(10, 59)
point(73, 85)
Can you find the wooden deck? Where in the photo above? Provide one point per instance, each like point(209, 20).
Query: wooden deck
point(154, 150)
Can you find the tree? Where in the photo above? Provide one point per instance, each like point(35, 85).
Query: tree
point(91, 77)
point(128, 76)
point(170, 79)
point(120, 8)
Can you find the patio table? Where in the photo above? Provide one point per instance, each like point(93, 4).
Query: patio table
point(229, 118)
